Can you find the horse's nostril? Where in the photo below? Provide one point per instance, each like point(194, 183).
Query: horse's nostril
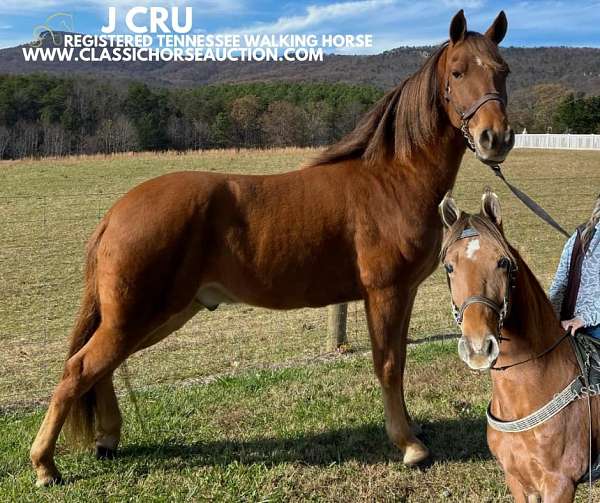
point(488, 347)
point(487, 139)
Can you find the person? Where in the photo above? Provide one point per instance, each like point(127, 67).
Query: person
point(575, 291)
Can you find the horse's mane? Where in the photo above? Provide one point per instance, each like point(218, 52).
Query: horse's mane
point(405, 120)
point(531, 310)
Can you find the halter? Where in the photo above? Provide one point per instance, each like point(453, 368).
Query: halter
point(500, 310)
point(467, 115)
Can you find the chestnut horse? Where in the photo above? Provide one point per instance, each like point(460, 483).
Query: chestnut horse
point(502, 301)
point(359, 223)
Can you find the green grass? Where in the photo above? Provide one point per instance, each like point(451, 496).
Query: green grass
point(275, 423)
point(49, 207)
point(310, 433)
point(304, 433)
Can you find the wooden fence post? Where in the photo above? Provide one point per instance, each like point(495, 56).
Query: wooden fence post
point(336, 326)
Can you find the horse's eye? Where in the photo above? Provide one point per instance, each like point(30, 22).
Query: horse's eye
point(456, 74)
point(503, 263)
point(448, 268)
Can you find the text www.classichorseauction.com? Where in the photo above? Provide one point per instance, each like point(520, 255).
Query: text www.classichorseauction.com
point(159, 35)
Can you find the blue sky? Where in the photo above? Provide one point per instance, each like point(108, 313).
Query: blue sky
point(393, 23)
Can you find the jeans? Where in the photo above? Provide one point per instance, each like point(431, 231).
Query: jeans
point(593, 331)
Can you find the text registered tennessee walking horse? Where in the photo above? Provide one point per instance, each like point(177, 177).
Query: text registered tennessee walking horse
point(359, 223)
point(537, 423)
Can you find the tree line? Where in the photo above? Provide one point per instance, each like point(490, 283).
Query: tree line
point(579, 114)
point(555, 108)
point(42, 115)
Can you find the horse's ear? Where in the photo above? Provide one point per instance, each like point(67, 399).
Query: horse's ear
point(458, 27)
point(490, 207)
point(497, 30)
point(449, 211)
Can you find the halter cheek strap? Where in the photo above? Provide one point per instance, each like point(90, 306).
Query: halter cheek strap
point(467, 115)
point(500, 310)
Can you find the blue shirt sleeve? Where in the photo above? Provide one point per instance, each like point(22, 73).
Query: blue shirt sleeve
point(588, 299)
point(559, 284)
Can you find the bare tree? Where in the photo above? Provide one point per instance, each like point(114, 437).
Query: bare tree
point(5, 137)
point(284, 124)
point(319, 118)
point(349, 118)
point(116, 135)
point(201, 133)
point(26, 139)
point(54, 140)
point(245, 113)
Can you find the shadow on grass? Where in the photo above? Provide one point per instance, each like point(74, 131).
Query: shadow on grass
point(449, 440)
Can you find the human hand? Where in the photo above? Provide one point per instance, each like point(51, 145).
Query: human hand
point(572, 325)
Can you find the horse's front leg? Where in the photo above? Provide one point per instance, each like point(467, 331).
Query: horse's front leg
point(388, 315)
point(517, 490)
point(557, 489)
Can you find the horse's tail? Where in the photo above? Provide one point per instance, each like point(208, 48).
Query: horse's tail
point(79, 425)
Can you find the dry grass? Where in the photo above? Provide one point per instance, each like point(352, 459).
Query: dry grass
point(309, 432)
point(49, 207)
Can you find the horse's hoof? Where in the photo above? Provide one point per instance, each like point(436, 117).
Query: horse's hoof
point(415, 454)
point(105, 452)
point(49, 480)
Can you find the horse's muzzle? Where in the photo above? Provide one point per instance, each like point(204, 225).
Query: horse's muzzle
point(479, 355)
point(492, 146)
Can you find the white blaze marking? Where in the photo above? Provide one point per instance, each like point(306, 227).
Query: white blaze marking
point(472, 248)
point(478, 61)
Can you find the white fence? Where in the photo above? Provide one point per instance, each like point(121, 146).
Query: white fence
point(558, 141)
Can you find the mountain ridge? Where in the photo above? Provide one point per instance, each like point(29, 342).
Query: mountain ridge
point(575, 68)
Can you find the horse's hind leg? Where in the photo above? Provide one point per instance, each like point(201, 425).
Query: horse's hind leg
point(108, 418)
point(94, 361)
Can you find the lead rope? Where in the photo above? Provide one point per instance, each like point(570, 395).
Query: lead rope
point(535, 357)
point(530, 203)
point(470, 142)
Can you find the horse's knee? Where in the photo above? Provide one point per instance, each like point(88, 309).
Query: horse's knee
point(391, 374)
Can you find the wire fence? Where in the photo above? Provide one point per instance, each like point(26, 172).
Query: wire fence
point(42, 256)
point(42, 242)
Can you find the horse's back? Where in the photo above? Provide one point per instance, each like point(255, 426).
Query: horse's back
point(278, 241)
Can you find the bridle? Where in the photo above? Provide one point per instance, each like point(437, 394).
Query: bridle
point(571, 392)
point(501, 310)
point(467, 115)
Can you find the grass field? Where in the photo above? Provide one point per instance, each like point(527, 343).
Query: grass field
point(272, 421)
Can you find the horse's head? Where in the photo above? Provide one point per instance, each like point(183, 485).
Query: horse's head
point(474, 88)
point(481, 272)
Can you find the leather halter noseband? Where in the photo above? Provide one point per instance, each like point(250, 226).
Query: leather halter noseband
point(467, 115)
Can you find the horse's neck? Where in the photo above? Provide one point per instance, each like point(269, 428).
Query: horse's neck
point(531, 328)
point(430, 173)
